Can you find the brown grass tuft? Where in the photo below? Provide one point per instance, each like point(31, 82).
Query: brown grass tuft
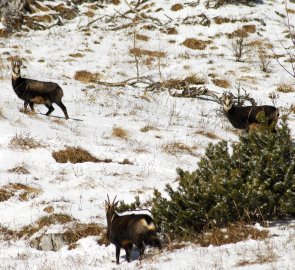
point(249, 28)
point(208, 134)
point(147, 128)
point(76, 55)
point(27, 231)
point(141, 52)
point(25, 142)
point(116, 2)
point(233, 233)
point(86, 76)
point(120, 133)
point(19, 170)
point(196, 44)
point(76, 155)
point(80, 231)
point(48, 209)
point(5, 194)
point(177, 7)
point(285, 88)
point(221, 83)
point(174, 148)
point(142, 37)
point(172, 31)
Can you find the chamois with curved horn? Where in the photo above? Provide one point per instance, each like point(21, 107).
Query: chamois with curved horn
point(247, 117)
point(124, 231)
point(36, 92)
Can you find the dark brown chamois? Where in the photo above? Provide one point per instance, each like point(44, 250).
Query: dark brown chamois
point(247, 117)
point(125, 230)
point(36, 92)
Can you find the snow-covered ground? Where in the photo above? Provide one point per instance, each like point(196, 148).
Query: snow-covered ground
point(79, 190)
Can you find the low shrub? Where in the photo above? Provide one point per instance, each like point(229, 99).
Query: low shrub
point(254, 180)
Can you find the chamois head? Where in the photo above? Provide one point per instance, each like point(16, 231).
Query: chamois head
point(16, 68)
point(110, 208)
point(227, 101)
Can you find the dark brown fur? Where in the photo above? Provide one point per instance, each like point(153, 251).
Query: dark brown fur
point(124, 231)
point(247, 117)
point(37, 92)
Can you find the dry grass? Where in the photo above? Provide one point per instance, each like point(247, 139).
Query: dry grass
point(141, 52)
point(172, 31)
point(285, 88)
point(221, 83)
point(249, 28)
point(142, 37)
point(116, 2)
point(5, 194)
point(196, 44)
point(2, 116)
point(233, 233)
point(76, 155)
point(177, 7)
point(48, 209)
point(208, 134)
point(76, 55)
point(86, 76)
point(221, 20)
point(174, 148)
point(119, 132)
point(183, 83)
point(27, 231)
point(147, 128)
point(25, 142)
point(24, 192)
point(79, 231)
point(19, 170)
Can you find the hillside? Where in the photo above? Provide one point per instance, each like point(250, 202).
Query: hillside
point(137, 137)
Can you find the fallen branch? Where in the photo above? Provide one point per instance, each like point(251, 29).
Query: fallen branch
point(128, 82)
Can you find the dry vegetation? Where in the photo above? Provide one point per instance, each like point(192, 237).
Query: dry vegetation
point(208, 134)
point(24, 192)
point(177, 7)
point(196, 44)
point(174, 148)
point(285, 88)
point(27, 231)
point(233, 233)
point(221, 83)
point(76, 155)
point(19, 170)
point(147, 128)
point(86, 76)
point(80, 230)
point(25, 142)
point(119, 132)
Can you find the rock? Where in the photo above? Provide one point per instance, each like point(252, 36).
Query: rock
point(49, 242)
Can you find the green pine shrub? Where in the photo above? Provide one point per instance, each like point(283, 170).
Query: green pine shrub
point(251, 180)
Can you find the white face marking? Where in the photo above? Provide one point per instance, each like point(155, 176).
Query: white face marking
point(16, 69)
point(227, 103)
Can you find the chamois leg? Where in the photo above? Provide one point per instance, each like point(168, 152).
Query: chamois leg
point(141, 248)
point(32, 106)
point(118, 254)
point(26, 103)
point(50, 109)
point(64, 109)
point(128, 249)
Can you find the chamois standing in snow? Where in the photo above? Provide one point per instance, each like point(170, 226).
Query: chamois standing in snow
point(245, 117)
point(36, 92)
point(125, 230)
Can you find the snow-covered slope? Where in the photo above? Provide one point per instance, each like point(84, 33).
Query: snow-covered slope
point(163, 132)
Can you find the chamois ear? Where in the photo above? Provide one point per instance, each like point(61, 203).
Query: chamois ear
point(116, 204)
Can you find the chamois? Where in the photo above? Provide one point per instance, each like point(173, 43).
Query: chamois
point(125, 230)
point(32, 91)
point(246, 117)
